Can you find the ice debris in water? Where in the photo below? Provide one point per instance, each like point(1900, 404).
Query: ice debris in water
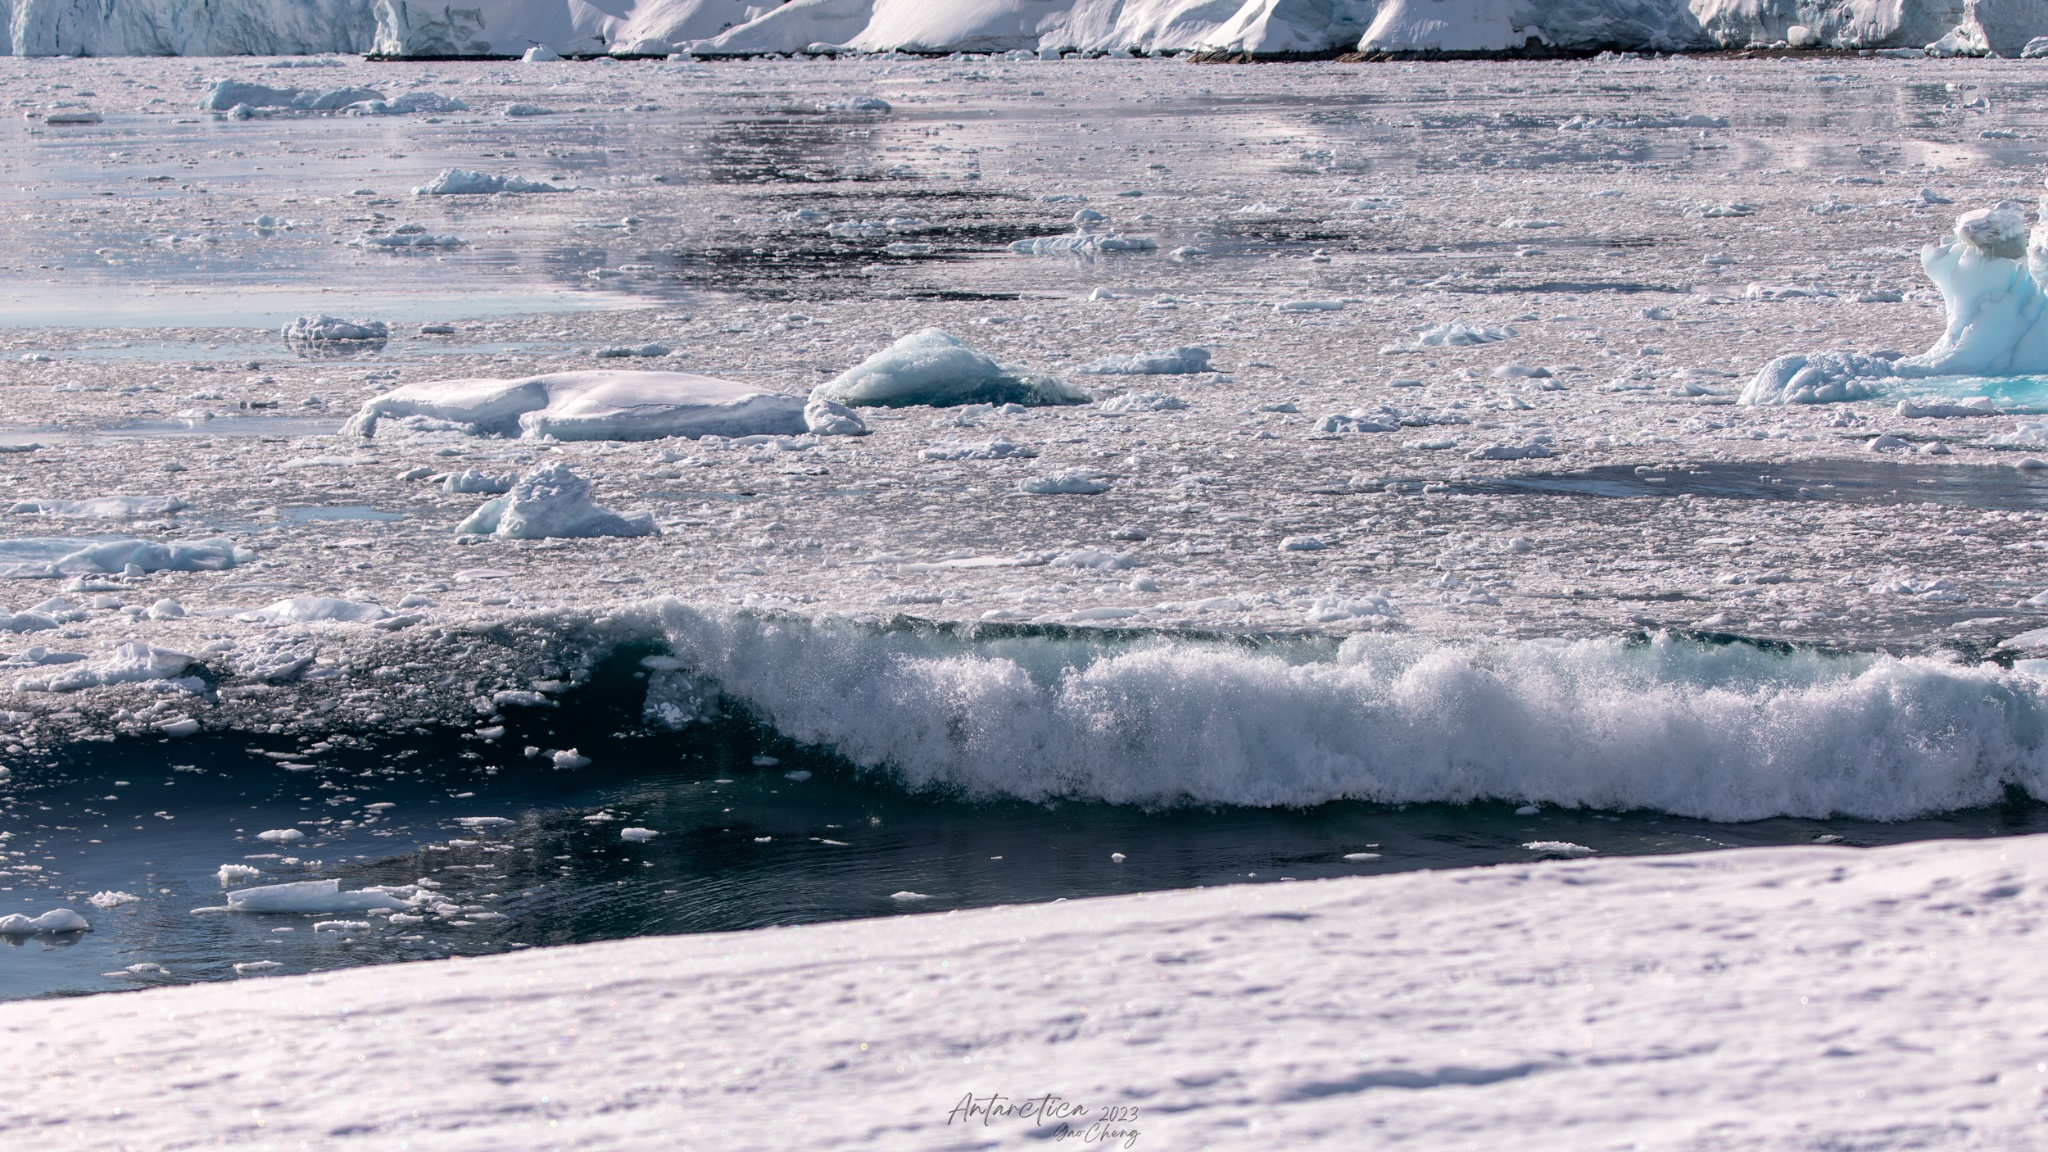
point(1558, 848)
point(637, 835)
point(552, 502)
point(937, 368)
point(475, 483)
point(236, 873)
point(101, 507)
point(1088, 244)
point(315, 329)
point(225, 95)
point(604, 405)
point(281, 835)
point(130, 662)
point(1172, 362)
point(1143, 402)
point(992, 449)
point(111, 899)
point(1990, 272)
point(43, 557)
point(1455, 334)
point(316, 609)
point(310, 896)
point(49, 923)
point(463, 182)
point(1066, 482)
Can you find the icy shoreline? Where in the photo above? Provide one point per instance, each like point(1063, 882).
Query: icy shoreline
point(1806, 995)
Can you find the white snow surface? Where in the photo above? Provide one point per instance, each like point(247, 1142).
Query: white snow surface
point(1559, 1005)
point(600, 405)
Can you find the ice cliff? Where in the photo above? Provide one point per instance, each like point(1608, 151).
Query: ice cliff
point(1229, 28)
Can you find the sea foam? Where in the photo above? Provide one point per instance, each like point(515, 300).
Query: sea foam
point(1718, 731)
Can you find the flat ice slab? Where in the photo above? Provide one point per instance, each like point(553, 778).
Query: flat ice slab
point(597, 405)
point(309, 896)
point(1563, 1005)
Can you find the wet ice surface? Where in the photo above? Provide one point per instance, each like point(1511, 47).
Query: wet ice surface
point(1553, 321)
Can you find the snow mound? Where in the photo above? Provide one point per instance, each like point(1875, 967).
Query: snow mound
point(1172, 362)
point(463, 182)
point(48, 924)
point(310, 896)
point(42, 557)
point(937, 368)
point(552, 502)
point(605, 405)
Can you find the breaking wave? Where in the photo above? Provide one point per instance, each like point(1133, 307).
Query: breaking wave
point(1718, 731)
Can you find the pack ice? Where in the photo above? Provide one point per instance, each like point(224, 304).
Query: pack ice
point(603, 405)
point(1990, 273)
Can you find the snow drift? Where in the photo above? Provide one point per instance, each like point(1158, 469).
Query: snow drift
point(601, 405)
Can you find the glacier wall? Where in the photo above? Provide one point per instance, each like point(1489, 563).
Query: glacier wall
point(1230, 28)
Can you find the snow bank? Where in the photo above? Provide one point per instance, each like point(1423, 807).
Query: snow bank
point(1721, 732)
point(50, 557)
point(48, 924)
point(937, 368)
point(1204, 1015)
point(604, 405)
point(312, 896)
point(552, 501)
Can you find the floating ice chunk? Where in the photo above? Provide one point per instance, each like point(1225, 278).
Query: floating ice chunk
point(1309, 306)
point(485, 823)
point(407, 240)
point(112, 899)
point(316, 609)
point(1535, 450)
point(281, 835)
point(463, 182)
point(552, 502)
point(568, 760)
point(637, 835)
point(102, 507)
point(248, 967)
point(1088, 244)
point(341, 926)
point(625, 351)
point(2025, 434)
point(829, 418)
point(541, 54)
point(908, 896)
point(1094, 558)
point(1361, 857)
point(129, 663)
point(937, 368)
point(473, 482)
point(1172, 362)
point(1974, 406)
point(592, 405)
point(1886, 442)
point(50, 923)
point(314, 896)
point(1824, 377)
point(1522, 223)
point(520, 110)
point(236, 873)
point(1143, 402)
point(1302, 544)
point(179, 728)
point(994, 449)
point(317, 329)
point(1359, 420)
point(1558, 848)
point(225, 95)
point(1066, 482)
point(1722, 211)
point(1377, 611)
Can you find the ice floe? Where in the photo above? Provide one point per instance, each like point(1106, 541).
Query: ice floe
point(1172, 362)
point(129, 662)
point(50, 923)
point(310, 896)
point(604, 405)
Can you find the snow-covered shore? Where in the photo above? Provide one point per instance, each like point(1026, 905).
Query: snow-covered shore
point(1785, 998)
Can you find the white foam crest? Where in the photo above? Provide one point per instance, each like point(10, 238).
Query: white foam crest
point(1723, 732)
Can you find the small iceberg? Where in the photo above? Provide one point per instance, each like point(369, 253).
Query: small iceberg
point(552, 502)
point(314, 896)
point(937, 368)
point(463, 182)
point(50, 923)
